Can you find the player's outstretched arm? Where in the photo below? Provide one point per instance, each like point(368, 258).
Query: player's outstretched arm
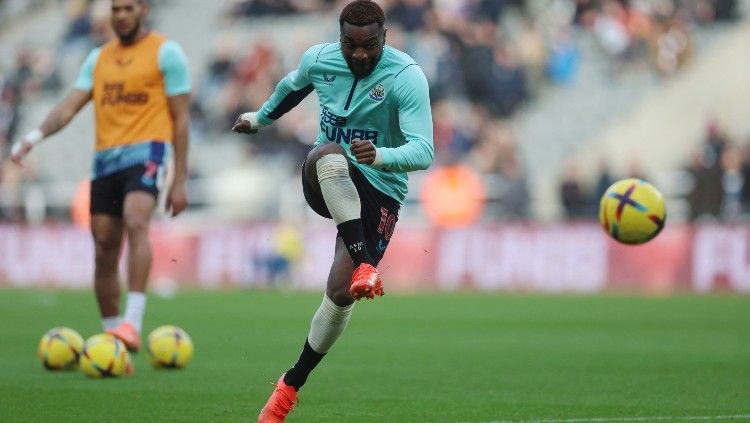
point(289, 92)
point(179, 106)
point(56, 120)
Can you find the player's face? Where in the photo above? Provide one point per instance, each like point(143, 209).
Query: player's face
point(362, 47)
point(127, 16)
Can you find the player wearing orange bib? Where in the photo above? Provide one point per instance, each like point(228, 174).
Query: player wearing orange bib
point(140, 87)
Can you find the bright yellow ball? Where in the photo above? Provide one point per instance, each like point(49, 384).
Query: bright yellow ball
point(59, 349)
point(104, 356)
point(170, 347)
point(632, 211)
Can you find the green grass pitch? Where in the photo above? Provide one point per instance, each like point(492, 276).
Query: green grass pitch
point(403, 358)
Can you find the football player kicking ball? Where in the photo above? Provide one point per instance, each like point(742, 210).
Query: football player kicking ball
point(375, 125)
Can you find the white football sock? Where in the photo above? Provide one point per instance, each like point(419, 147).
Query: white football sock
point(327, 324)
point(110, 322)
point(339, 192)
point(134, 308)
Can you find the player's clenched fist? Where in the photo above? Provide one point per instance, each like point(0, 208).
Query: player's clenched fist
point(364, 151)
point(19, 151)
point(23, 146)
point(247, 123)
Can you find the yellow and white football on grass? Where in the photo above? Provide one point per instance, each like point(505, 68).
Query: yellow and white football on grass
point(59, 349)
point(104, 356)
point(632, 211)
point(169, 347)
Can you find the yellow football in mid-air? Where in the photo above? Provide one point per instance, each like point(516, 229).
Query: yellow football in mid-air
point(632, 211)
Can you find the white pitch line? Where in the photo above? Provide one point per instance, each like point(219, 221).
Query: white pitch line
point(629, 419)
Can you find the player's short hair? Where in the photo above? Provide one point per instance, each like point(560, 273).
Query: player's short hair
point(143, 2)
point(362, 13)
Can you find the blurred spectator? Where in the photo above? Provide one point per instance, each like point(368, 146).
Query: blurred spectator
point(672, 45)
point(285, 254)
point(79, 22)
point(262, 7)
point(450, 139)
point(532, 54)
point(564, 57)
point(9, 116)
point(604, 179)
point(507, 83)
point(715, 142)
point(571, 193)
point(491, 10)
point(705, 196)
point(732, 183)
point(585, 13)
point(88, 24)
point(438, 58)
point(718, 171)
point(453, 195)
point(409, 14)
point(477, 45)
point(245, 8)
point(746, 179)
point(496, 157)
point(612, 33)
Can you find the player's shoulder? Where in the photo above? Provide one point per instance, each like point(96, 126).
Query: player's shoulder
point(321, 51)
point(398, 57)
point(158, 38)
point(400, 62)
point(108, 46)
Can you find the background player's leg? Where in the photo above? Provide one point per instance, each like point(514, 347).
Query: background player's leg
point(330, 319)
point(327, 170)
point(107, 231)
point(136, 213)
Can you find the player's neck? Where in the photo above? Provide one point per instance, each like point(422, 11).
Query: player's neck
point(141, 34)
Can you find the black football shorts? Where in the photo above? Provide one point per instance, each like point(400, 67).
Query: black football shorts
point(379, 211)
point(108, 192)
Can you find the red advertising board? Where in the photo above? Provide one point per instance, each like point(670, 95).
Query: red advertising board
point(517, 257)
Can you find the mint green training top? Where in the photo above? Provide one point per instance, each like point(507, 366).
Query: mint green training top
point(390, 107)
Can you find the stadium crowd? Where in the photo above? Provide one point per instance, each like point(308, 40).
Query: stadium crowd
point(484, 59)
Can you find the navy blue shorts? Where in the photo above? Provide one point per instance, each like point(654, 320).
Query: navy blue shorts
point(108, 192)
point(379, 211)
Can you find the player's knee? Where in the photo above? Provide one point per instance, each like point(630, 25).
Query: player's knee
point(322, 152)
point(323, 149)
point(106, 249)
point(136, 225)
point(332, 166)
point(340, 296)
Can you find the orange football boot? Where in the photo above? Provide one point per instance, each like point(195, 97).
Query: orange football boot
point(130, 370)
point(126, 333)
point(366, 282)
point(282, 401)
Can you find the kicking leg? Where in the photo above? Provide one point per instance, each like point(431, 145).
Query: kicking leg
point(328, 173)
